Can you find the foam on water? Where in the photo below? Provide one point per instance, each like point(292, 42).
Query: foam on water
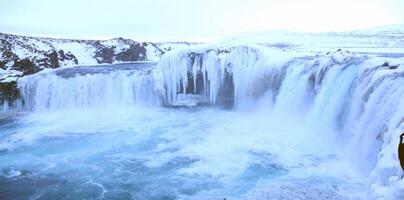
point(158, 153)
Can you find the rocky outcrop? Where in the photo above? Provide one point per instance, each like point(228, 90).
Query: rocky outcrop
point(135, 52)
point(8, 93)
point(20, 56)
point(110, 54)
point(105, 54)
point(25, 66)
point(51, 59)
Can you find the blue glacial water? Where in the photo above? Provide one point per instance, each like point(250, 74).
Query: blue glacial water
point(165, 153)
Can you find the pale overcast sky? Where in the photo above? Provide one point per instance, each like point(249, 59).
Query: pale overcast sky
point(196, 20)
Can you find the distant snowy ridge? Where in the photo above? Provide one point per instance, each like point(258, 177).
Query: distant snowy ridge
point(385, 39)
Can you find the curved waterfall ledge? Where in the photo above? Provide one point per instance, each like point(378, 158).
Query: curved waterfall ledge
point(88, 87)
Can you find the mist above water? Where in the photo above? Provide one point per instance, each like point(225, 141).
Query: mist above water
point(163, 153)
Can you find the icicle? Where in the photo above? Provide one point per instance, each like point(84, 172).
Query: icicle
point(5, 105)
point(195, 69)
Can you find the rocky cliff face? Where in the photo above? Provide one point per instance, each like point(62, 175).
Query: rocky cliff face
point(22, 55)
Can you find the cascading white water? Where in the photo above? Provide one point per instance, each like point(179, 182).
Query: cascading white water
point(356, 100)
point(13, 105)
point(5, 105)
point(359, 99)
point(53, 90)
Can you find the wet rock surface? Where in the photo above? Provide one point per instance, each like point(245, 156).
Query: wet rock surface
point(8, 92)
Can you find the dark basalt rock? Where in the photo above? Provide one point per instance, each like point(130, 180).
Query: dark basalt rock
point(387, 65)
point(393, 67)
point(6, 52)
point(3, 64)
point(136, 52)
point(67, 56)
point(8, 91)
point(219, 51)
point(25, 66)
point(104, 54)
point(51, 60)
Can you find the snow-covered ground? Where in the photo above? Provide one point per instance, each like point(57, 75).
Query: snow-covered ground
point(39, 51)
point(385, 39)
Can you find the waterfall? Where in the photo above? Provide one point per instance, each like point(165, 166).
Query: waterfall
point(357, 100)
point(5, 105)
point(235, 75)
point(58, 89)
point(8, 105)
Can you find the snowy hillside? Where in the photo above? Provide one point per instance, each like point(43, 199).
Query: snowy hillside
point(22, 55)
